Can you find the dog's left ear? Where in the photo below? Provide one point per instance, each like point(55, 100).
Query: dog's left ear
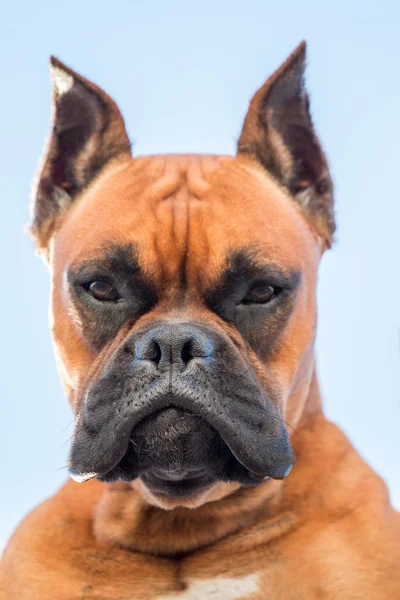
point(87, 132)
point(278, 133)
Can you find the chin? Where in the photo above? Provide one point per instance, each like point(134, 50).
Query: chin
point(210, 493)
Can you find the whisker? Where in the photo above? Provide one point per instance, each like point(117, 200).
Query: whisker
point(66, 427)
point(60, 469)
point(64, 444)
point(285, 422)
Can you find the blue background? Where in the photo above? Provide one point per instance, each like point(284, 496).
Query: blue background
point(183, 73)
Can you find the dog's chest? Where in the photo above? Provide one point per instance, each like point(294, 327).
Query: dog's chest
point(218, 588)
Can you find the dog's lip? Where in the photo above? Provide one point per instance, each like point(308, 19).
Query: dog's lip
point(176, 474)
point(182, 488)
point(82, 477)
point(261, 450)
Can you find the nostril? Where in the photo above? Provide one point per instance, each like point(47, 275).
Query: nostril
point(153, 352)
point(156, 353)
point(187, 352)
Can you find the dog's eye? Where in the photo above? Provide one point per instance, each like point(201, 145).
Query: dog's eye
point(260, 293)
point(102, 290)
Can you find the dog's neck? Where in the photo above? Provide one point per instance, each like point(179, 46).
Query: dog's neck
point(123, 517)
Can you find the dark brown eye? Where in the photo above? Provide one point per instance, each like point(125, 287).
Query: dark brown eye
point(260, 293)
point(102, 290)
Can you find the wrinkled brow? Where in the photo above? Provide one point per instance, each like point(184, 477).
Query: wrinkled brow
point(114, 260)
point(246, 266)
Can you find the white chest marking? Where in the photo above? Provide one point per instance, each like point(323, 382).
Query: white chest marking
point(220, 588)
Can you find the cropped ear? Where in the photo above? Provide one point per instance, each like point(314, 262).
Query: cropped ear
point(88, 131)
point(278, 132)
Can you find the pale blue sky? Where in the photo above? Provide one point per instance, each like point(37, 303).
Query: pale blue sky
point(183, 73)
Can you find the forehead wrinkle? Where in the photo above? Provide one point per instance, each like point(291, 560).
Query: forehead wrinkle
point(185, 179)
point(170, 172)
point(200, 172)
point(169, 238)
point(169, 178)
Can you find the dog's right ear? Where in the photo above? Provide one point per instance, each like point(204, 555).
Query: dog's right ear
point(87, 132)
point(279, 134)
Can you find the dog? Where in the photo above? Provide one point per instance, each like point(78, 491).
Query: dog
point(183, 312)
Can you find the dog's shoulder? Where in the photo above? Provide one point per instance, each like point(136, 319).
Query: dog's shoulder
point(54, 554)
point(47, 541)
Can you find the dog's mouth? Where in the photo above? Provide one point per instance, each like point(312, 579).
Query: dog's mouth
point(177, 453)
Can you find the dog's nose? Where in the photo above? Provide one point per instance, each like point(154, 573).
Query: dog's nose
point(174, 344)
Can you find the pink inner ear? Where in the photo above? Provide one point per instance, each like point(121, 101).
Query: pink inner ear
point(58, 175)
point(302, 184)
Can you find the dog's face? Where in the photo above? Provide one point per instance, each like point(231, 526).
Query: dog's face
point(183, 292)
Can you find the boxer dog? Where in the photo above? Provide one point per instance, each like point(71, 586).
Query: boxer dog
point(183, 314)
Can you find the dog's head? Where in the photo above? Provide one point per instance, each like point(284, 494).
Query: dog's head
point(183, 291)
